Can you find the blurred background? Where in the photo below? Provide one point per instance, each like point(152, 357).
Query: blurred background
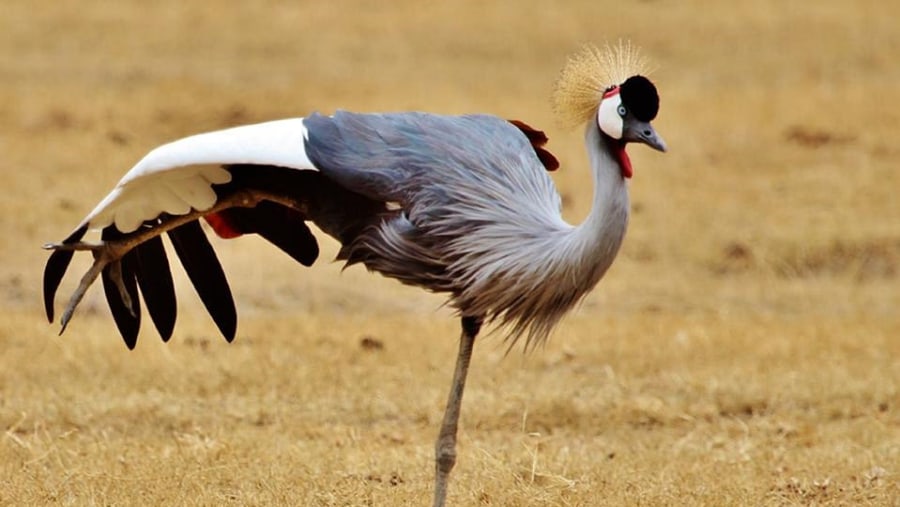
point(758, 281)
point(778, 114)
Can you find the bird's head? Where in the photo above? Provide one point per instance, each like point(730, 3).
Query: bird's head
point(609, 87)
point(626, 111)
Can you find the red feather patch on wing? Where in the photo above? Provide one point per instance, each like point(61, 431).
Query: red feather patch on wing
point(538, 140)
point(223, 227)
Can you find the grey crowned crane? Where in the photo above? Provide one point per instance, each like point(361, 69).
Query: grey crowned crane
point(460, 205)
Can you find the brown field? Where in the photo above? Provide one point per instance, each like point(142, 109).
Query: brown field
point(743, 350)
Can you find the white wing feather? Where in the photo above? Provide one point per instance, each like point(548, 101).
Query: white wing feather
point(176, 177)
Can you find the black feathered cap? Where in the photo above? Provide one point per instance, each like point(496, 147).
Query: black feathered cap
point(640, 97)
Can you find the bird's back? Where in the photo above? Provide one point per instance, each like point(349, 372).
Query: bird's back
point(473, 198)
point(399, 157)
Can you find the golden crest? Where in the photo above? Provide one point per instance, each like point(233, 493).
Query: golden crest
point(590, 72)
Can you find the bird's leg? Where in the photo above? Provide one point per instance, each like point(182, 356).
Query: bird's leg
point(110, 252)
point(445, 448)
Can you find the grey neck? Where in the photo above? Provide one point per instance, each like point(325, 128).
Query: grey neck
point(600, 235)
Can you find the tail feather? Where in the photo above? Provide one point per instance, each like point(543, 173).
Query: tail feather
point(154, 278)
point(56, 267)
point(205, 272)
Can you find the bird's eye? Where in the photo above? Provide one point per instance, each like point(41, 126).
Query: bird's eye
point(622, 112)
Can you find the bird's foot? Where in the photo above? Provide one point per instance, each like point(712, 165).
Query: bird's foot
point(109, 252)
point(106, 253)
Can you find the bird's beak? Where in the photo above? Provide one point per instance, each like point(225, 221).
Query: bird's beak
point(645, 133)
point(637, 131)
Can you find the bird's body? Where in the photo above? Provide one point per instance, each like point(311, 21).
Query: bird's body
point(461, 205)
point(459, 184)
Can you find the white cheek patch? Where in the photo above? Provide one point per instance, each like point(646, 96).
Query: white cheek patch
point(608, 115)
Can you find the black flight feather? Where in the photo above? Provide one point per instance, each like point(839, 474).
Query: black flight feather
point(128, 319)
point(56, 267)
point(155, 280)
point(205, 272)
point(279, 225)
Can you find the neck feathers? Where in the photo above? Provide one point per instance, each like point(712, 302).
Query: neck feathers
point(599, 237)
point(570, 262)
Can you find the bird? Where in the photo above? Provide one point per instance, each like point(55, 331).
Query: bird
point(458, 205)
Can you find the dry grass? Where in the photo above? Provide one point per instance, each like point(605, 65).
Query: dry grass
point(743, 350)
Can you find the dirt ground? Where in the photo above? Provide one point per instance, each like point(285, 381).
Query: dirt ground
point(743, 350)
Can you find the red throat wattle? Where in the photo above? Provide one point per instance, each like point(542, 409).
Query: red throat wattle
point(624, 161)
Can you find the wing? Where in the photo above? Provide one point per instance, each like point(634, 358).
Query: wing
point(270, 179)
point(268, 187)
point(393, 157)
point(177, 177)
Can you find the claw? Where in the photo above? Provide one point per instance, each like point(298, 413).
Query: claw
point(115, 274)
point(74, 246)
